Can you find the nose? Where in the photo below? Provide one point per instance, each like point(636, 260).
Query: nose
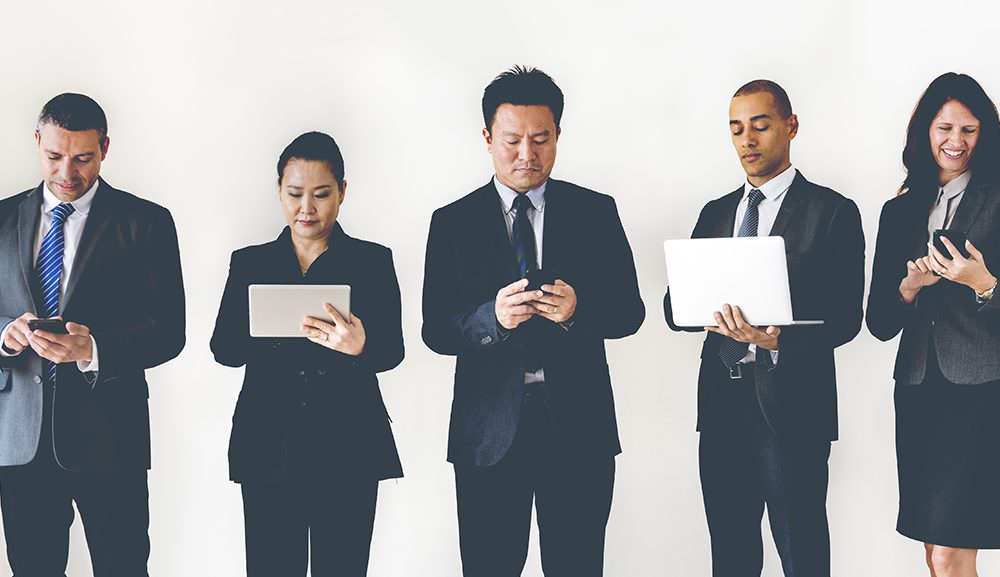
point(749, 139)
point(65, 170)
point(308, 205)
point(526, 150)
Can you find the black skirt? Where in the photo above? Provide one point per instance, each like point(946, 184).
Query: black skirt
point(948, 460)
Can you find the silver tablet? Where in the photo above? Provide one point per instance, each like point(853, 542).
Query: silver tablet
point(278, 310)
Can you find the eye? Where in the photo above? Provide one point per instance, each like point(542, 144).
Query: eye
point(763, 128)
point(295, 194)
point(540, 142)
point(737, 132)
point(512, 142)
point(321, 195)
point(970, 130)
point(54, 157)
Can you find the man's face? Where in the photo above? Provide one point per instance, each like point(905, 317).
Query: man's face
point(522, 141)
point(761, 137)
point(70, 159)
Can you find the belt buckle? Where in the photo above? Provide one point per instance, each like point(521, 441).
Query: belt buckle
point(736, 371)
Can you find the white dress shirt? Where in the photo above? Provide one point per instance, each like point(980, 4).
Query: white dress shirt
point(774, 192)
point(948, 199)
point(72, 231)
point(536, 215)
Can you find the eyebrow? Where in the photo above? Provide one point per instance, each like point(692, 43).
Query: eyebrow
point(515, 134)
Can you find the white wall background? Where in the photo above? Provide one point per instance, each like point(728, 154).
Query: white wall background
point(202, 97)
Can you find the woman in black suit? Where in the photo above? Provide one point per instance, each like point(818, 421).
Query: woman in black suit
point(947, 372)
point(311, 436)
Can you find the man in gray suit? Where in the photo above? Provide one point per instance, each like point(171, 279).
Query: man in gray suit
point(74, 415)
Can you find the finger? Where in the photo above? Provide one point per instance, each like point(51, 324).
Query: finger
point(523, 297)
point(560, 290)
point(338, 319)
point(521, 310)
point(921, 265)
point(542, 308)
point(356, 321)
point(739, 319)
point(955, 253)
point(727, 317)
point(912, 266)
point(938, 256)
point(773, 331)
point(723, 329)
point(973, 251)
point(78, 329)
point(553, 300)
point(318, 324)
point(514, 287)
point(561, 282)
point(715, 330)
point(935, 264)
point(322, 342)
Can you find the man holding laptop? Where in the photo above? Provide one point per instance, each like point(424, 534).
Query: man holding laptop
point(767, 400)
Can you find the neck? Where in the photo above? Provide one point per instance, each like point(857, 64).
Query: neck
point(760, 180)
point(944, 176)
point(307, 249)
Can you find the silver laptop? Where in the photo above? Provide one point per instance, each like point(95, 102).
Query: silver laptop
point(278, 310)
point(750, 272)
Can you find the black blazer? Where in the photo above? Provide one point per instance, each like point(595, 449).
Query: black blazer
point(293, 388)
point(469, 259)
point(126, 286)
point(966, 335)
point(825, 248)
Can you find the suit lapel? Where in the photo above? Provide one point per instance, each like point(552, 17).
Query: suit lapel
point(969, 208)
point(495, 229)
point(27, 228)
point(554, 233)
point(726, 225)
point(789, 206)
point(101, 212)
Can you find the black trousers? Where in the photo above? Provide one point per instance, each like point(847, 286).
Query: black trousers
point(335, 516)
point(572, 499)
point(37, 502)
point(744, 468)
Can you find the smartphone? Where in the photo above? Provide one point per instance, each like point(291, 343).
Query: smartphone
point(956, 237)
point(537, 278)
point(56, 326)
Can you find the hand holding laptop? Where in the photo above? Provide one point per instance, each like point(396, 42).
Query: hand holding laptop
point(732, 324)
point(345, 336)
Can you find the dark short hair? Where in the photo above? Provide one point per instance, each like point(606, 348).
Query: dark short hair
point(74, 112)
point(921, 168)
point(314, 146)
point(778, 93)
point(522, 86)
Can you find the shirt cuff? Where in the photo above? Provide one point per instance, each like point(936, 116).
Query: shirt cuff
point(568, 324)
point(3, 337)
point(92, 366)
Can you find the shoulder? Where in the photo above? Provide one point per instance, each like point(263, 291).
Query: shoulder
point(457, 209)
point(818, 194)
point(130, 206)
point(583, 197)
point(10, 204)
point(367, 250)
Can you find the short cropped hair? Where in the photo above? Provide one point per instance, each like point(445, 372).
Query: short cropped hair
point(778, 93)
point(75, 112)
point(522, 86)
point(314, 146)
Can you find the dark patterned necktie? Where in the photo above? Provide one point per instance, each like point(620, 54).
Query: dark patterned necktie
point(730, 351)
point(523, 236)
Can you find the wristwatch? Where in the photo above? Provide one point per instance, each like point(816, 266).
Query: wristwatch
point(985, 296)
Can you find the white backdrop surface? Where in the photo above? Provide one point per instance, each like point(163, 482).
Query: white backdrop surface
point(202, 97)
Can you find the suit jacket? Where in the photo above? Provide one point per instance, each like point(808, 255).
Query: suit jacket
point(126, 286)
point(966, 335)
point(825, 249)
point(301, 398)
point(469, 259)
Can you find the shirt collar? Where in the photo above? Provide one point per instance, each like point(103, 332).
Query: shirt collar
point(80, 206)
point(774, 188)
point(507, 195)
point(957, 186)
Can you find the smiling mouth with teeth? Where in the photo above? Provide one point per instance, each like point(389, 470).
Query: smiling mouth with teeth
point(952, 153)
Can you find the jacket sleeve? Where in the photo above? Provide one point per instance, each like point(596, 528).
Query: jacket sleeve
point(611, 307)
point(887, 313)
point(231, 342)
point(157, 335)
point(843, 294)
point(384, 327)
point(450, 324)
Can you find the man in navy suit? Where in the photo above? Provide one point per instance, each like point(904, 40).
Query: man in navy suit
point(533, 415)
point(767, 396)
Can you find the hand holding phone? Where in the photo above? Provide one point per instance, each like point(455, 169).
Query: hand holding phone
point(956, 237)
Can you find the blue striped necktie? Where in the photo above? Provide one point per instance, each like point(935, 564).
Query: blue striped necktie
point(730, 351)
point(523, 236)
point(50, 265)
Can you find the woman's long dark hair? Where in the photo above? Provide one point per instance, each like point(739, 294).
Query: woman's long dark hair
point(921, 168)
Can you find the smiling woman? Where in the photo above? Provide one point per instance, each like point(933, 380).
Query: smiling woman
point(947, 371)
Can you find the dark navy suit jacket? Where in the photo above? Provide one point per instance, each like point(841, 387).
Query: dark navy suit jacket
point(469, 259)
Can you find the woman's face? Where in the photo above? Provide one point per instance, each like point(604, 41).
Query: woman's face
point(954, 133)
point(310, 198)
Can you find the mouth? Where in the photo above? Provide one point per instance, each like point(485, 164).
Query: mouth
point(952, 153)
point(68, 187)
point(751, 156)
point(526, 169)
point(307, 222)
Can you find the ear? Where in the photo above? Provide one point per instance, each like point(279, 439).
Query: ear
point(342, 193)
point(558, 133)
point(488, 138)
point(793, 126)
point(104, 148)
point(38, 138)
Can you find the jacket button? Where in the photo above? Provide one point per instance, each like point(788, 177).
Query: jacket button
point(37, 379)
point(275, 344)
point(303, 403)
point(302, 373)
point(321, 372)
point(486, 340)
